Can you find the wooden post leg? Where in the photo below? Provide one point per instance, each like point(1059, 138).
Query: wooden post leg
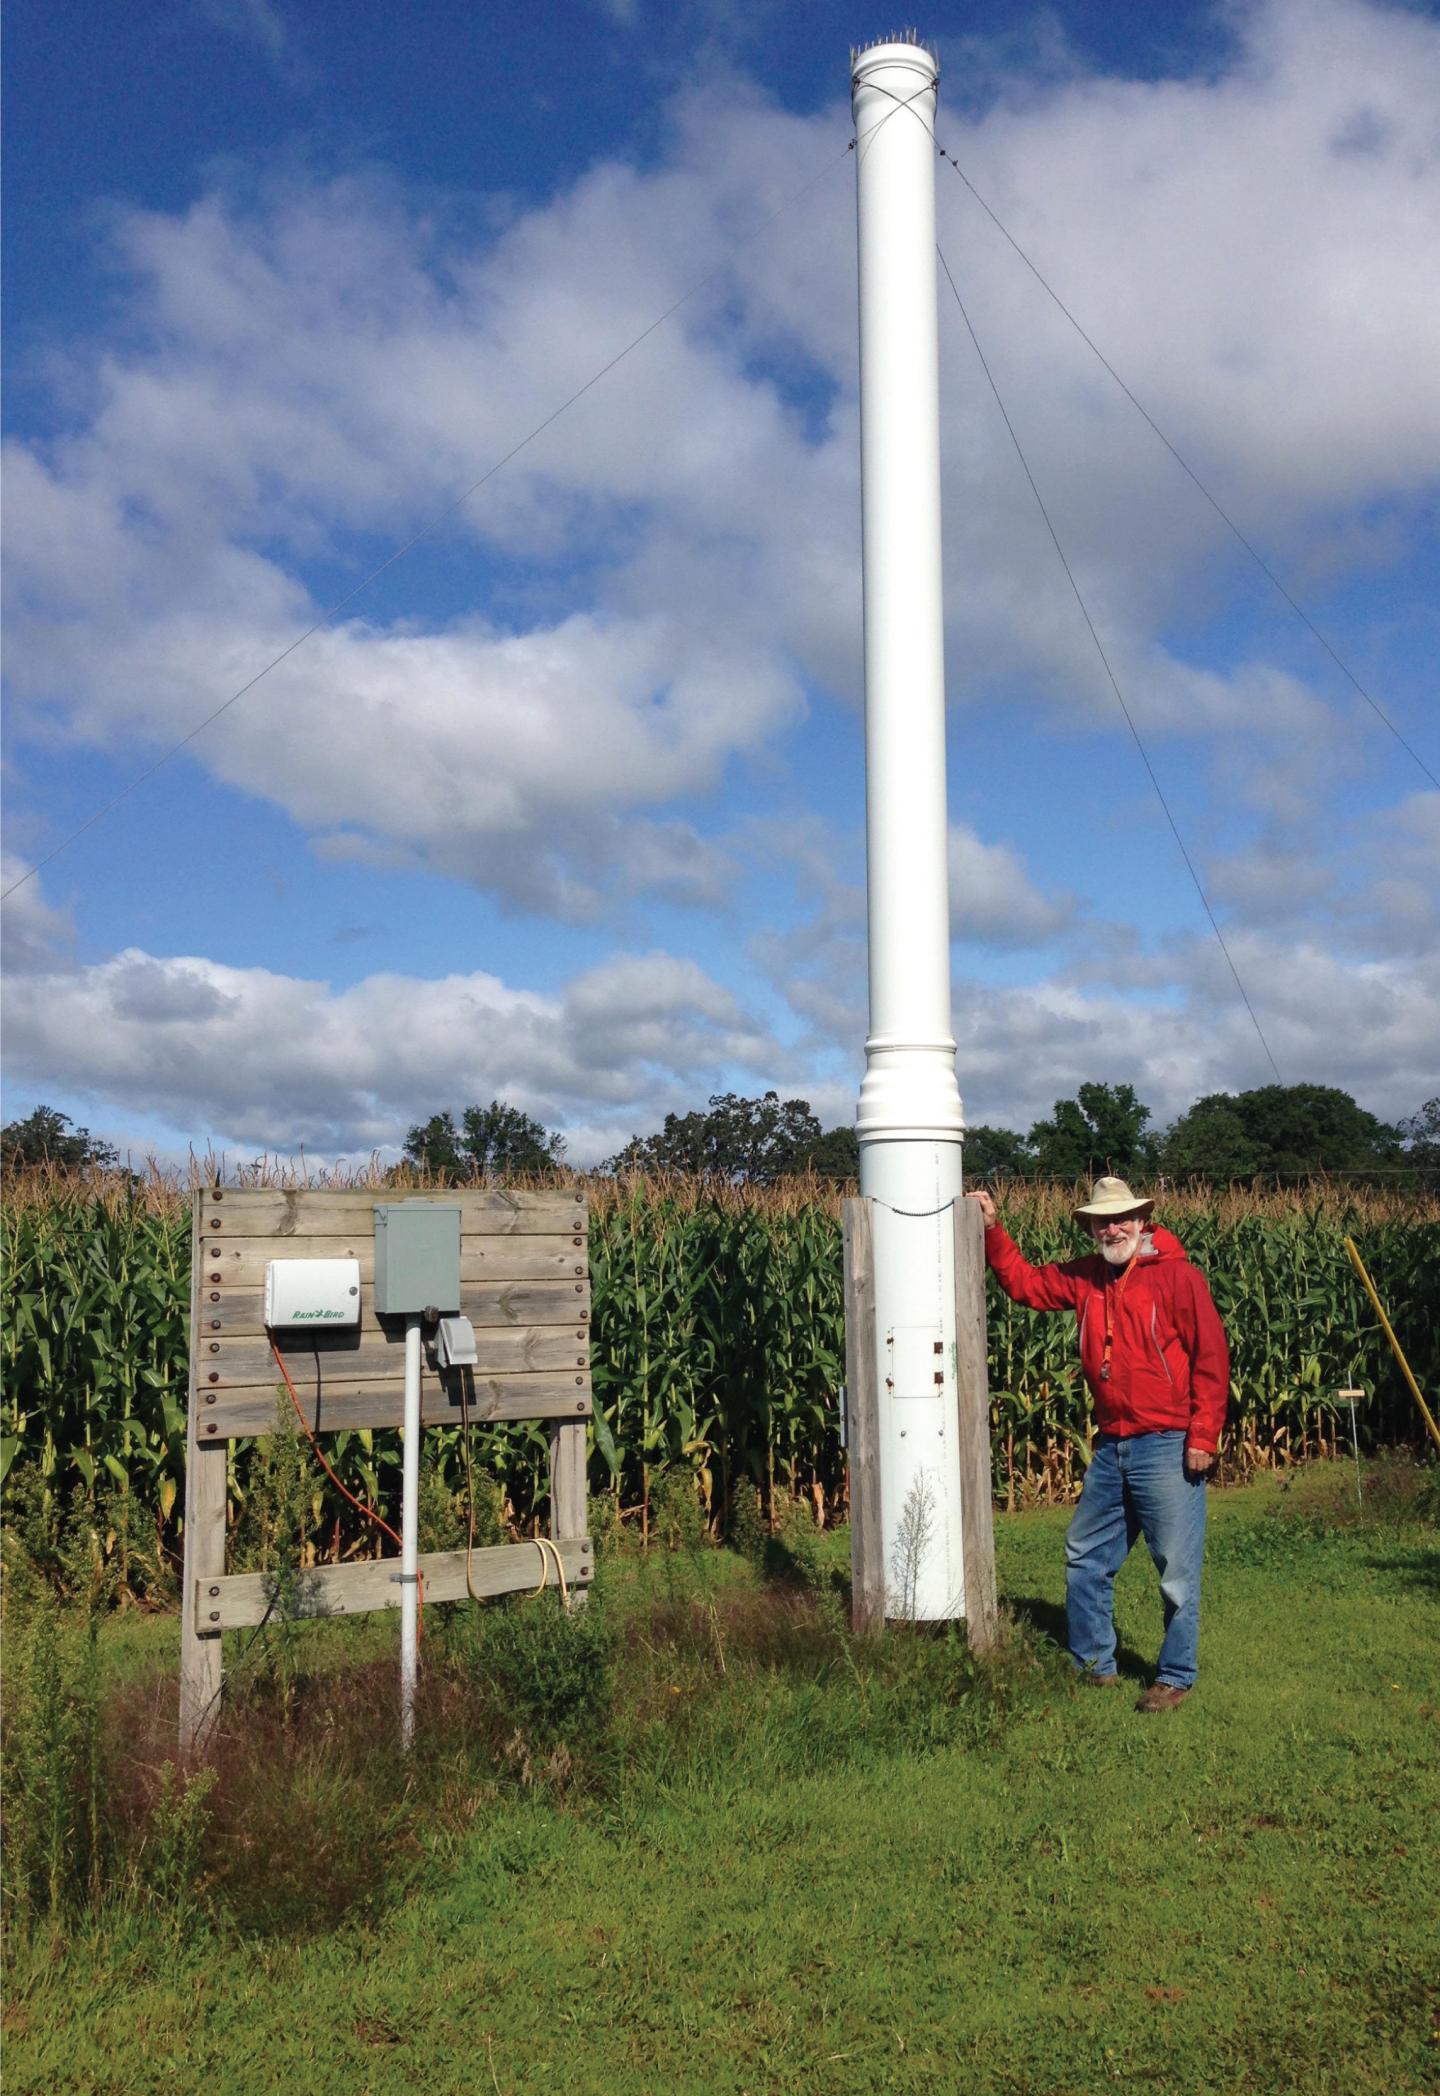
point(867, 1540)
point(977, 1526)
point(201, 1655)
point(569, 1501)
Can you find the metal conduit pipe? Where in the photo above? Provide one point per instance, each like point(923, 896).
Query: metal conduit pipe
point(410, 1533)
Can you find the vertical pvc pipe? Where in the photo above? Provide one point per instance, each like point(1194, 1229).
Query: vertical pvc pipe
point(410, 1534)
point(910, 1121)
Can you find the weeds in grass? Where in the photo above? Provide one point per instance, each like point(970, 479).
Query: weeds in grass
point(277, 1510)
point(535, 1684)
point(172, 1869)
point(795, 1552)
point(913, 1534)
point(677, 1518)
point(53, 1837)
point(685, 1677)
point(1232, 1901)
point(749, 1530)
point(1319, 1506)
point(766, 1685)
point(52, 1826)
point(1398, 1488)
point(313, 1807)
point(306, 1813)
point(439, 1513)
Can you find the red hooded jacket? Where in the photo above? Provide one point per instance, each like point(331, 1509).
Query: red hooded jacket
point(1169, 1362)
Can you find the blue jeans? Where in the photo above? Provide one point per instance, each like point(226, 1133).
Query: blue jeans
point(1136, 1485)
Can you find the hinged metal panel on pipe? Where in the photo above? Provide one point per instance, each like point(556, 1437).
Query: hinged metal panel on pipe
point(910, 1121)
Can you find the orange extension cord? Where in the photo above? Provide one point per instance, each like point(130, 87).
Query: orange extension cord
point(359, 1504)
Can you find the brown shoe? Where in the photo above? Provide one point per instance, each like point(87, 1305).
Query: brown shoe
point(1162, 1696)
point(1099, 1680)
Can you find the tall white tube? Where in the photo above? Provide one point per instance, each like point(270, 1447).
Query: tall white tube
point(910, 1121)
point(410, 1534)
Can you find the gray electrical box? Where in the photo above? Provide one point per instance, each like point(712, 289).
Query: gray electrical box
point(417, 1259)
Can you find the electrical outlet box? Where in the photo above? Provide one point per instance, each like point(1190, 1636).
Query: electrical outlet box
point(324, 1293)
point(417, 1259)
point(455, 1343)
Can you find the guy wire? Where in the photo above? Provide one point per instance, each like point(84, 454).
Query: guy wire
point(441, 516)
point(903, 103)
point(1114, 681)
point(1183, 463)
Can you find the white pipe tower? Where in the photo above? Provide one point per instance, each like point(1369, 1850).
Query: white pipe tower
point(910, 1121)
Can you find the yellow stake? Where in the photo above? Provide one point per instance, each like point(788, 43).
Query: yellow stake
point(1359, 1265)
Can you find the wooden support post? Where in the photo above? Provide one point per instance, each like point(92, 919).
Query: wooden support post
point(201, 1654)
point(972, 1391)
point(569, 1500)
point(862, 1409)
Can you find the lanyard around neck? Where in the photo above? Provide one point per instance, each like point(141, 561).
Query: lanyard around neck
point(1113, 1293)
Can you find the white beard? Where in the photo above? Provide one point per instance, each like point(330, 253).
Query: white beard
point(1122, 1251)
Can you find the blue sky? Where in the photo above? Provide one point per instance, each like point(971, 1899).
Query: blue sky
point(566, 806)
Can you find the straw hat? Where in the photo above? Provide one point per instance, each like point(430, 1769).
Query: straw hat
point(1111, 1197)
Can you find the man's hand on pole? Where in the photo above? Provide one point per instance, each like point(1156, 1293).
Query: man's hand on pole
point(987, 1206)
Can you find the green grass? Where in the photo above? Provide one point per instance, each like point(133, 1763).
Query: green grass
point(1239, 1896)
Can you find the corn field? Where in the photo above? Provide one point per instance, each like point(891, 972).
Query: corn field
point(718, 1348)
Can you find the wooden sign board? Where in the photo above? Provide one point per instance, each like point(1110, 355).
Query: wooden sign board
point(524, 1285)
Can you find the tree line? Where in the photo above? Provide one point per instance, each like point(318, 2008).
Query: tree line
point(1273, 1132)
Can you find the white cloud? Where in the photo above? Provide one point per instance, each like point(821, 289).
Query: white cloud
point(663, 588)
point(253, 1059)
point(260, 1060)
point(1263, 289)
point(1254, 251)
point(504, 759)
point(994, 901)
point(1369, 1028)
point(36, 933)
point(257, 22)
point(1397, 910)
point(1273, 883)
point(1372, 891)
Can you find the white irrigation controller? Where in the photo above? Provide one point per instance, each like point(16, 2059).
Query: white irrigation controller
point(312, 1292)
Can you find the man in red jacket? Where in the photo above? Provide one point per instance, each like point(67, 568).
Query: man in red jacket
point(1154, 1355)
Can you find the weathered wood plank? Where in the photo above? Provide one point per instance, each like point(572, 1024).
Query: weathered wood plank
point(247, 1598)
point(230, 1312)
point(862, 1406)
point(972, 1393)
point(225, 1414)
point(308, 1212)
point(569, 1497)
point(569, 1503)
point(201, 1657)
point(370, 1352)
point(240, 1262)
